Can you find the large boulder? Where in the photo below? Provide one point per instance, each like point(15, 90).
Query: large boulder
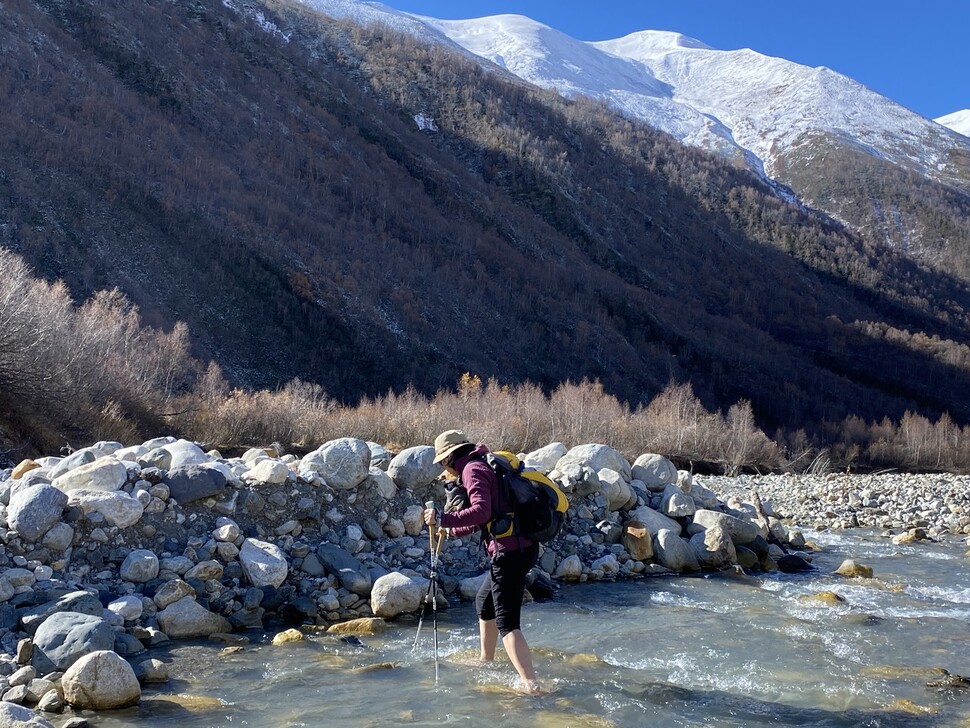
point(714, 548)
point(73, 461)
point(264, 564)
point(184, 454)
point(654, 471)
point(80, 602)
point(66, 637)
point(674, 553)
point(381, 483)
point(414, 468)
point(32, 512)
point(343, 463)
point(596, 457)
point(395, 594)
point(190, 483)
point(676, 503)
point(654, 520)
point(267, 472)
point(545, 458)
point(380, 457)
point(569, 569)
point(17, 716)
point(353, 575)
point(102, 680)
point(106, 474)
point(742, 532)
point(186, 618)
point(118, 508)
point(619, 495)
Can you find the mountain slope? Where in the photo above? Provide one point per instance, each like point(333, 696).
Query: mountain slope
point(771, 115)
point(256, 170)
point(958, 121)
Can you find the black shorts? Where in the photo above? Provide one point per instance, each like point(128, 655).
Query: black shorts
point(500, 596)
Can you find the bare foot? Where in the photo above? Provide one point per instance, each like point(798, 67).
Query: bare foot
point(530, 687)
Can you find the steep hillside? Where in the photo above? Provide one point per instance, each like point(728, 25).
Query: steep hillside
point(959, 121)
point(258, 171)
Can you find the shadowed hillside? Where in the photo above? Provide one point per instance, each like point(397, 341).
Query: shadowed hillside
point(262, 178)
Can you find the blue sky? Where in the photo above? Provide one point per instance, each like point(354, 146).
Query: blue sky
point(916, 53)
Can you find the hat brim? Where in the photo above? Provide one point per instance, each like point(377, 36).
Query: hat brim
point(447, 453)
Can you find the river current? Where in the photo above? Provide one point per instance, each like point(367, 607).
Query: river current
point(714, 650)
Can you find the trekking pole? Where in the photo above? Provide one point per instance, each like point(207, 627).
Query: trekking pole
point(433, 590)
point(427, 596)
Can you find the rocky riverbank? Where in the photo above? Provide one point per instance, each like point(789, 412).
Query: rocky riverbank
point(114, 550)
point(935, 505)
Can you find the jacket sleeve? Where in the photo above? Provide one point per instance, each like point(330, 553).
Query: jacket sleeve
point(479, 481)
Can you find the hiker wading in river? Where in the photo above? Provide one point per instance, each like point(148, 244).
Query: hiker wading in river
point(499, 601)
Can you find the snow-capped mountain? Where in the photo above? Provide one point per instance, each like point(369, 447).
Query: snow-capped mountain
point(741, 104)
point(959, 121)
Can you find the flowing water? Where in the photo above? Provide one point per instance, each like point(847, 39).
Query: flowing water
point(719, 650)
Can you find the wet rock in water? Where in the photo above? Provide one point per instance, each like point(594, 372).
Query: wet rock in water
point(825, 598)
point(569, 569)
point(187, 618)
point(101, 681)
point(151, 671)
point(852, 569)
point(540, 585)
point(365, 625)
point(395, 594)
point(747, 559)
point(742, 532)
point(65, 637)
point(289, 635)
point(714, 548)
point(16, 715)
point(414, 468)
point(793, 564)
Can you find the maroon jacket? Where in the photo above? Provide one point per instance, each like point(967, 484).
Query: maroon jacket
point(482, 485)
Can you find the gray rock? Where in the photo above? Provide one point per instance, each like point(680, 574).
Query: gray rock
point(129, 608)
point(655, 471)
point(264, 564)
point(185, 453)
point(655, 521)
point(106, 474)
point(186, 618)
point(741, 532)
point(75, 460)
point(381, 483)
point(65, 637)
point(101, 681)
point(171, 592)
point(118, 508)
point(343, 463)
point(7, 590)
point(139, 566)
point(676, 503)
point(33, 511)
point(151, 671)
point(596, 457)
point(191, 483)
point(17, 716)
point(267, 472)
point(673, 552)
point(545, 458)
point(414, 468)
point(714, 548)
point(79, 602)
point(395, 594)
point(59, 537)
point(380, 457)
point(353, 575)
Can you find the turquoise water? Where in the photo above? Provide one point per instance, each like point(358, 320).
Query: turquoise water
point(719, 650)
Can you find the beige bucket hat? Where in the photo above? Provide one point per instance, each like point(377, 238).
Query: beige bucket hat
point(447, 442)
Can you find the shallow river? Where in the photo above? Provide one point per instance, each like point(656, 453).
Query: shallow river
point(704, 651)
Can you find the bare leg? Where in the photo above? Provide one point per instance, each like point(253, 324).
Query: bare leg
point(489, 638)
point(521, 656)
